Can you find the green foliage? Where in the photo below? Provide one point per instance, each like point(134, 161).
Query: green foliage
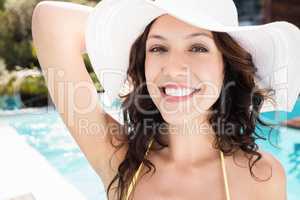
point(16, 45)
point(17, 49)
point(34, 85)
point(15, 33)
point(26, 81)
point(10, 87)
point(2, 4)
point(87, 63)
point(92, 73)
point(9, 82)
point(96, 82)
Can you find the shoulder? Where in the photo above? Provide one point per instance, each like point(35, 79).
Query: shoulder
point(271, 171)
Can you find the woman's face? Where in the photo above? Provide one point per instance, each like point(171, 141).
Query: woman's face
point(182, 56)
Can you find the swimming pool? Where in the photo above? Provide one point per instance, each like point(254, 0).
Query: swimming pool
point(44, 130)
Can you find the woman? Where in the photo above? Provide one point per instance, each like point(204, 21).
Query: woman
point(192, 107)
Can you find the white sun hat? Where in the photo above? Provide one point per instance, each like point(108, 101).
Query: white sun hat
point(113, 26)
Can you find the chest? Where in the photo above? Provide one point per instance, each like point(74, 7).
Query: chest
point(205, 183)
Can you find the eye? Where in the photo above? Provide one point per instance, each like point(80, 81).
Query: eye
point(157, 49)
point(162, 49)
point(200, 48)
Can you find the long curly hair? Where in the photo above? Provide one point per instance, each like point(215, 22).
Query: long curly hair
point(242, 101)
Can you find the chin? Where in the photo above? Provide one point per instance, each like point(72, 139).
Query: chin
point(179, 118)
point(173, 119)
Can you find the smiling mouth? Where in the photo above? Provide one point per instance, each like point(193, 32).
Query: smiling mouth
point(163, 90)
point(176, 98)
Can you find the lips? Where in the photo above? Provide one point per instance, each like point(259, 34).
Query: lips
point(177, 86)
point(172, 99)
point(163, 90)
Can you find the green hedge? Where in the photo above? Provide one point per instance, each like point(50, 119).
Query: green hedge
point(31, 85)
point(34, 85)
point(16, 48)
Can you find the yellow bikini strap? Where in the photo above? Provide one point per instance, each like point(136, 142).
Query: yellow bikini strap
point(135, 177)
point(225, 176)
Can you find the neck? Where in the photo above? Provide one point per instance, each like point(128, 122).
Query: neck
point(191, 143)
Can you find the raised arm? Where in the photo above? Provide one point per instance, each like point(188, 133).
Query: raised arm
point(58, 36)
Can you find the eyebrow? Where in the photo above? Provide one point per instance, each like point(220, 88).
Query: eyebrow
point(186, 37)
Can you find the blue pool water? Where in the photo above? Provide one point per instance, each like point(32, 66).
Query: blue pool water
point(45, 131)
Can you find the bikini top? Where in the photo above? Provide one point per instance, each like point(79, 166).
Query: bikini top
point(135, 177)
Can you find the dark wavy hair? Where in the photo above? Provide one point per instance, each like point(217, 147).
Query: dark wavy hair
point(239, 105)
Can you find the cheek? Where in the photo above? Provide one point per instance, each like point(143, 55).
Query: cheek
point(210, 74)
point(208, 69)
point(152, 69)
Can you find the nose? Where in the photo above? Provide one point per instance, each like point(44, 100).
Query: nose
point(175, 65)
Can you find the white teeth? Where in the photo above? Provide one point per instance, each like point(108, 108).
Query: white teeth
point(179, 92)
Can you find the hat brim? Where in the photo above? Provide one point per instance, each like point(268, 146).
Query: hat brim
point(113, 26)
